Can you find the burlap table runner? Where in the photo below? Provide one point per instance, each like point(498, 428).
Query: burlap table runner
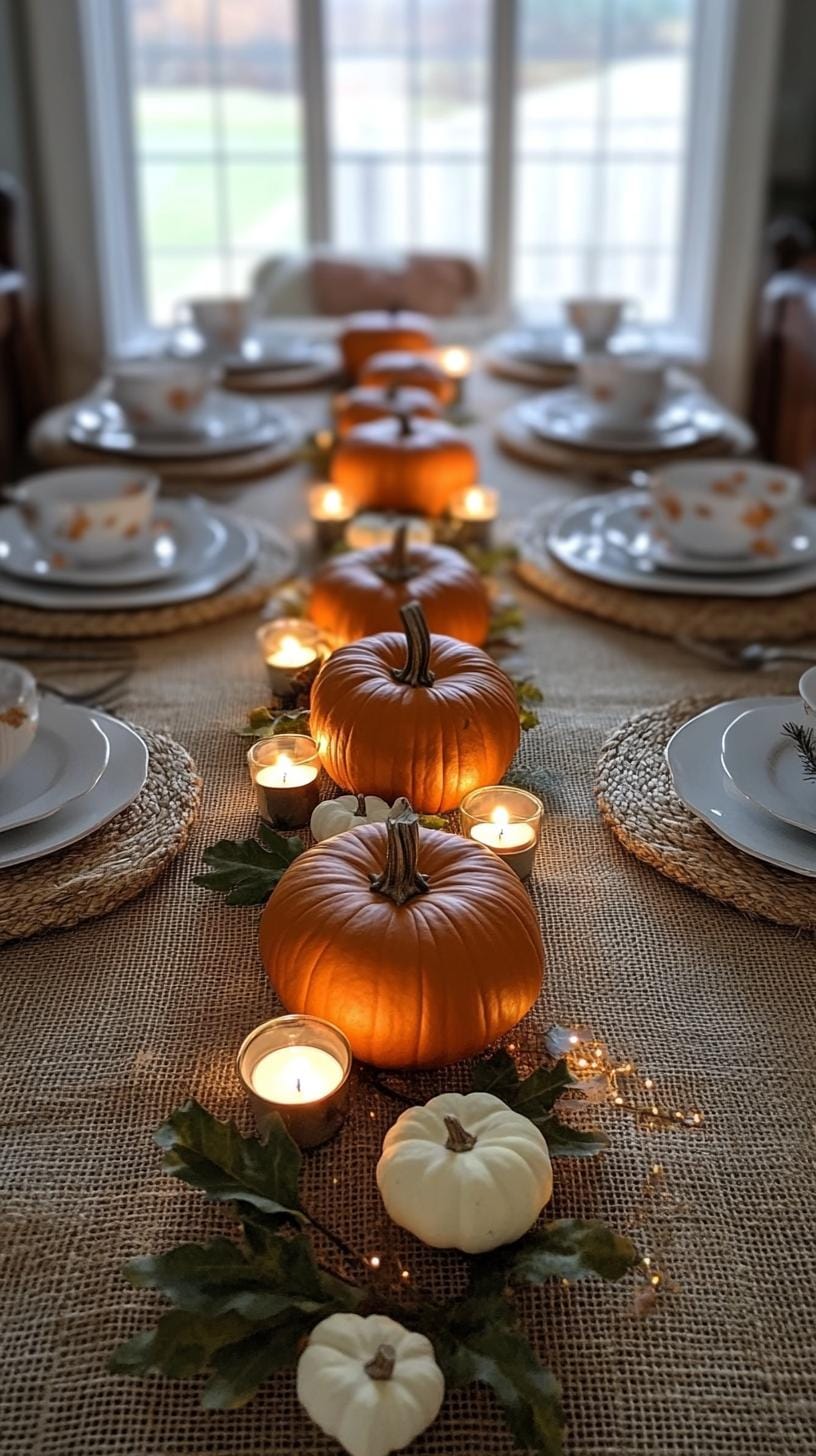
point(109, 1027)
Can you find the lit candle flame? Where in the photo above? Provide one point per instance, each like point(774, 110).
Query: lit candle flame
point(501, 819)
point(284, 764)
point(333, 501)
point(456, 361)
point(474, 500)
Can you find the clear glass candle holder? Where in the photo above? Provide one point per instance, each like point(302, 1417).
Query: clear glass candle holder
point(506, 820)
point(330, 510)
point(284, 774)
point(473, 512)
point(294, 651)
point(298, 1067)
point(378, 528)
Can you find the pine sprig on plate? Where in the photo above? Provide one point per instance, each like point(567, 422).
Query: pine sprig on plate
point(805, 740)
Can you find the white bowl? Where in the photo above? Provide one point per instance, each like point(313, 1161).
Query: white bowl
point(595, 319)
point(726, 507)
point(807, 689)
point(19, 713)
point(161, 394)
point(223, 323)
point(89, 514)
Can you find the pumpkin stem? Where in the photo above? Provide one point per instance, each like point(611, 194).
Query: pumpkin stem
point(406, 424)
point(401, 880)
point(397, 565)
point(459, 1141)
point(381, 1365)
point(361, 808)
point(392, 391)
point(416, 670)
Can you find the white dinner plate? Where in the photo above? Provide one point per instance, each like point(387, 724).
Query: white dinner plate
point(68, 756)
point(553, 346)
point(631, 527)
point(232, 425)
point(267, 350)
point(700, 782)
point(236, 554)
point(565, 417)
point(578, 537)
point(184, 535)
point(766, 765)
point(123, 778)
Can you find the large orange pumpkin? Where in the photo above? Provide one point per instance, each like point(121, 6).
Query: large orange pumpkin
point(410, 465)
point(428, 717)
point(360, 593)
point(364, 334)
point(398, 366)
point(362, 405)
point(422, 946)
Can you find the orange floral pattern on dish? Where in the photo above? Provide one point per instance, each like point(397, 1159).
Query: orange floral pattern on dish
point(13, 717)
point(703, 511)
point(133, 487)
point(671, 507)
point(776, 487)
point(763, 547)
point(758, 515)
point(78, 525)
point(179, 400)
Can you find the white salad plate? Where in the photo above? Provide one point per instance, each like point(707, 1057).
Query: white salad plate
point(237, 550)
point(700, 782)
point(765, 763)
point(566, 417)
point(231, 425)
point(579, 538)
point(631, 526)
point(68, 756)
point(265, 351)
point(123, 778)
point(184, 535)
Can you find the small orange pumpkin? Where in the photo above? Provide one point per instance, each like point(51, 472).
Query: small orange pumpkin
point(362, 405)
point(404, 464)
point(432, 722)
point(364, 334)
point(421, 946)
point(398, 366)
point(360, 593)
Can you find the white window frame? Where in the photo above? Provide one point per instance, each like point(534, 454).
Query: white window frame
point(734, 39)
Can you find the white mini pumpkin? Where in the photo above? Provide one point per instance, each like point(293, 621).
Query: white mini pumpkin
point(369, 1382)
point(464, 1172)
point(335, 816)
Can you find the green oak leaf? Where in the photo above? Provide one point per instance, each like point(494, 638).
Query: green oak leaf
point(564, 1248)
point(246, 871)
point(565, 1141)
point(218, 1277)
point(497, 1074)
point(266, 723)
point(240, 1369)
point(181, 1345)
point(534, 1097)
point(537, 1094)
point(433, 821)
point(214, 1157)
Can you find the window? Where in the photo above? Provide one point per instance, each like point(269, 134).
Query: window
point(551, 140)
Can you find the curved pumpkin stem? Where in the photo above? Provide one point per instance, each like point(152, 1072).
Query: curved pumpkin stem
point(392, 391)
point(406, 424)
point(416, 671)
point(459, 1140)
point(397, 564)
point(381, 1365)
point(401, 880)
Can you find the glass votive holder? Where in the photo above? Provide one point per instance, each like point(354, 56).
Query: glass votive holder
point(457, 364)
point(378, 528)
point(330, 510)
point(473, 511)
point(294, 651)
point(507, 820)
point(298, 1067)
point(284, 774)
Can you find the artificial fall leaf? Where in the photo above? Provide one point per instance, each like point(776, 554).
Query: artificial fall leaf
point(246, 871)
point(564, 1248)
point(240, 1369)
point(267, 723)
point(181, 1345)
point(214, 1157)
point(534, 1097)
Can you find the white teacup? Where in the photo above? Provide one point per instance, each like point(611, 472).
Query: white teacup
point(91, 514)
point(595, 319)
point(625, 390)
point(223, 323)
point(726, 508)
point(161, 394)
point(19, 713)
point(807, 689)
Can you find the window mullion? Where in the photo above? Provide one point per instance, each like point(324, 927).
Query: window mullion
point(313, 99)
point(500, 226)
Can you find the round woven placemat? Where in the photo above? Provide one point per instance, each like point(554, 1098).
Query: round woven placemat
point(115, 863)
point(521, 371)
point(709, 619)
point(636, 799)
point(276, 561)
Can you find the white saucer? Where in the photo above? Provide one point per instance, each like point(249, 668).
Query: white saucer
point(238, 549)
point(630, 526)
point(552, 346)
point(184, 535)
point(565, 417)
point(68, 756)
point(264, 351)
point(578, 537)
point(766, 766)
point(232, 425)
point(693, 756)
point(119, 785)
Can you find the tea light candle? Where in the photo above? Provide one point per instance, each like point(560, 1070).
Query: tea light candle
point(330, 510)
point(507, 821)
point(297, 1067)
point(284, 773)
point(377, 528)
point(293, 651)
point(456, 363)
point(474, 510)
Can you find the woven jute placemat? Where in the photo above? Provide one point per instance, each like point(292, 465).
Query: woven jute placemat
point(514, 435)
point(115, 863)
point(275, 562)
point(521, 371)
point(636, 799)
point(709, 619)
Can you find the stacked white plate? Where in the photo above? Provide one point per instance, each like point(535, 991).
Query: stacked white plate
point(82, 769)
point(566, 417)
point(193, 551)
point(231, 426)
point(610, 538)
point(738, 770)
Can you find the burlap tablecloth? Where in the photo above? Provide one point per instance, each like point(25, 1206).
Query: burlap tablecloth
point(109, 1027)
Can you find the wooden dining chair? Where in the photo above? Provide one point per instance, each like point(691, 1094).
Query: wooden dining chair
point(23, 383)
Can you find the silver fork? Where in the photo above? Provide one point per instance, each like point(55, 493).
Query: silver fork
point(750, 656)
point(106, 695)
